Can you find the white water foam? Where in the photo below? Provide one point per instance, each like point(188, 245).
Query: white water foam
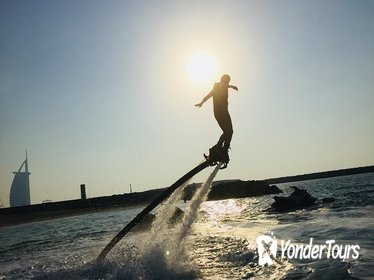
point(165, 212)
point(164, 250)
point(199, 197)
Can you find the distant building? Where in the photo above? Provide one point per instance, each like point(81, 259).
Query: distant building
point(20, 189)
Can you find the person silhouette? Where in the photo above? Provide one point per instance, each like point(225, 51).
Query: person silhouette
point(221, 113)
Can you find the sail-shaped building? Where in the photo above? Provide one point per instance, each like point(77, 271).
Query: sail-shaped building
point(20, 189)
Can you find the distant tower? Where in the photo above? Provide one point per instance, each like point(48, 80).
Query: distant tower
point(20, 189)
point(83, 191)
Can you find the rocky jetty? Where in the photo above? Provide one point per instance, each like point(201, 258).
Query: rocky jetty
point(234, 189)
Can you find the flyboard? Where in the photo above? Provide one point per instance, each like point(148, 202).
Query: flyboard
point(213, 159)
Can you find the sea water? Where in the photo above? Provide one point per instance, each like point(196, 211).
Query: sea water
point(221, 243)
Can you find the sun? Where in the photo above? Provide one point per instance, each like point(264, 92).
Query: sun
point(201, 68)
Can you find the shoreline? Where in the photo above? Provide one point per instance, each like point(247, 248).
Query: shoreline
point(224, 189)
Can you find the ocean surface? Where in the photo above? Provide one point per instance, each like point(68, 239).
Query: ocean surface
point(216, 240)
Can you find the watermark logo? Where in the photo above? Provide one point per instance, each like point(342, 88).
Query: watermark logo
point(267, 247)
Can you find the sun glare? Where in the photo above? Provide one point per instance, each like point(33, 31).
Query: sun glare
point(201, 68)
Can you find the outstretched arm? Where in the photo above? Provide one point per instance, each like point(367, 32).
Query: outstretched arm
point(209, 95)
point(233, 87)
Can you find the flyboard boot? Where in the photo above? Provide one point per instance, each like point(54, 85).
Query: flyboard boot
point(218, 154)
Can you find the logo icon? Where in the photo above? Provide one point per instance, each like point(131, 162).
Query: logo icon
point(267, 249)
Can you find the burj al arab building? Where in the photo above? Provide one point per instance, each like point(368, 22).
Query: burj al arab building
point(20, 189)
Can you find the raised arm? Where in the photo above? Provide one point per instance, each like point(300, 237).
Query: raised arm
point(233, 87)
point(209, 95)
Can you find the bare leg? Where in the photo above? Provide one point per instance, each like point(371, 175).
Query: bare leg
point(221, 140)
point(226, 126)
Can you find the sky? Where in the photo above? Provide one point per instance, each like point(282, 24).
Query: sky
point(99, 93)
